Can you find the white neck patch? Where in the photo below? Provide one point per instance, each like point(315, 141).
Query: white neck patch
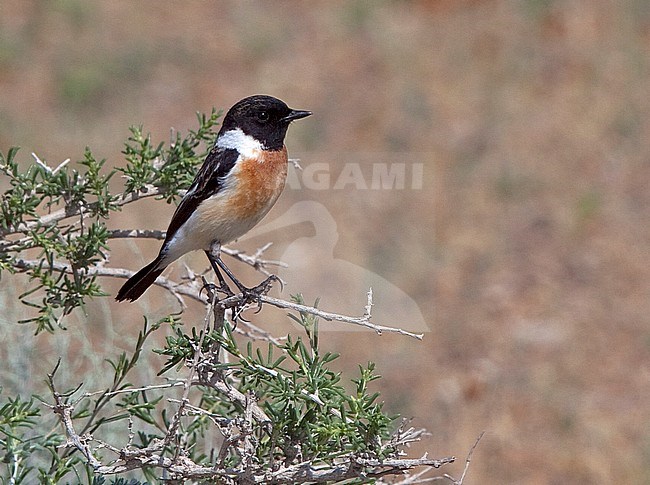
point(246, 145)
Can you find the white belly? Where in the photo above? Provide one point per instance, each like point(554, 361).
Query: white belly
point(212, 221)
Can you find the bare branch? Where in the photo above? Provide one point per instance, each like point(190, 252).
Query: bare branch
point(296, 163)
point(172, 287)
point(363, 321)
point(47, 167)
point(348, 467)
point(133, 389)
point(467, 462)
point(191, 409)
point(64, 411)
point(191, 291)
point(136, 233)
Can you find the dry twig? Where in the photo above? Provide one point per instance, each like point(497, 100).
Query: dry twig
point(191, 290)
point(467, 462)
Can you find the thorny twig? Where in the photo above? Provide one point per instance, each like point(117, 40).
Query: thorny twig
point(237, 433)
point(132, 458)
point(181, 467)
point(190, 290)
point(467, 462)
point(363, 321)
point(64, 411)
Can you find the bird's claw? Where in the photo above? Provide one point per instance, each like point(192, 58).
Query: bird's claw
point(254, 294)
point(249, 295)
point(263, 288)
point(211, 289)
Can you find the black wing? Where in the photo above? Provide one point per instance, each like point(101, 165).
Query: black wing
point(207, 182)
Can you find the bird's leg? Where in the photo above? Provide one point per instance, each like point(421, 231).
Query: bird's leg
point(254, 293)
point(223, 286)
point(248, 294)
point(260, 289)
point(226, 270)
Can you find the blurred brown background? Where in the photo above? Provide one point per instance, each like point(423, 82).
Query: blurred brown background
point(525, 249)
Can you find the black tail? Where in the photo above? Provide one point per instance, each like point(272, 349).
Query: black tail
point(137, 284)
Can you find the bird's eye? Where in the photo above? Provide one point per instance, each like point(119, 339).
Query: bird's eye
point(263, 116)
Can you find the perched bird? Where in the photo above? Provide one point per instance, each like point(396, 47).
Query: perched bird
point(238, 183)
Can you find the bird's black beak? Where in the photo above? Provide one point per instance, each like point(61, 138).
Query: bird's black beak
point(296, 114)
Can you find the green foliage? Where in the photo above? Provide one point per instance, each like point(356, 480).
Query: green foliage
point(25, 449)
point(313, 415)
point(169, 169)
point(53, 229)
point(53, 219)
point(80, 244)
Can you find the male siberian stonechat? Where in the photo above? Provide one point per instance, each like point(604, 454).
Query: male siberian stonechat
point(238, 183)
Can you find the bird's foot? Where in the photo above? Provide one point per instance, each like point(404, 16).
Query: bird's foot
point(254, 294)
point(263, 288)
point(212, 289)
point(248, 295)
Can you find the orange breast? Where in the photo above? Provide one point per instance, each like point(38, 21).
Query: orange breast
point(260, 182)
